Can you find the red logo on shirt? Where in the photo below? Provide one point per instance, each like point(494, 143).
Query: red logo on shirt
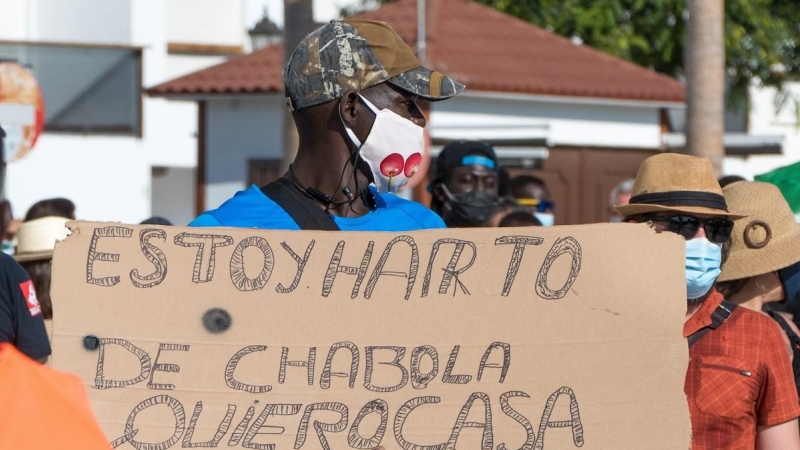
point(30, 297)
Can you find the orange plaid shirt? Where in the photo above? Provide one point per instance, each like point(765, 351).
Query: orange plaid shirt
point(739, 378)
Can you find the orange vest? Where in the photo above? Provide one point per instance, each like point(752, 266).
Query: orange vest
point(42, 408)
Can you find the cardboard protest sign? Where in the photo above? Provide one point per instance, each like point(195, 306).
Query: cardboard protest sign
point(546, 338)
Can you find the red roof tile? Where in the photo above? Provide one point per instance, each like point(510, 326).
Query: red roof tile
point(481, 47)
point(255, 73)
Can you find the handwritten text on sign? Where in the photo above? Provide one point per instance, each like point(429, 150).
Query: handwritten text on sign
point(429, 340)
point(207, 245)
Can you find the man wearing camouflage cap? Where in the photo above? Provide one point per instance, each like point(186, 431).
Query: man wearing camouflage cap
point(352, 87)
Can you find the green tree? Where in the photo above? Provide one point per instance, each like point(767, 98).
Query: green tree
point(360, 6)
point(762, 37)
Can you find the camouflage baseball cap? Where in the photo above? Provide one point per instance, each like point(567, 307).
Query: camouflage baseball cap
point(357, 54)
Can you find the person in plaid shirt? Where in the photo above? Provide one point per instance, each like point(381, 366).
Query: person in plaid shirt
point(739, 383)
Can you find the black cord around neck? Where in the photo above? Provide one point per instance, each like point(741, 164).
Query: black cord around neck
point(326, 199)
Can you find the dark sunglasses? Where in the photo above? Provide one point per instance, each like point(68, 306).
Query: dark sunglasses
point(717, 230)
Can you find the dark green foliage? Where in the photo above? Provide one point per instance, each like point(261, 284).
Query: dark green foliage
point(762, 37)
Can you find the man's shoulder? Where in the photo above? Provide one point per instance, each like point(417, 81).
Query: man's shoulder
point(13, 279)
point(412, 210)
point(249, 208)
point(11, 270)
point(757, 327)
point(750, 316)
point(7, 261)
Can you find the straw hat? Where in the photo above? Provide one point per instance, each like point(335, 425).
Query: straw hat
point(765, 241)
point(36, 239)
point(675, 182)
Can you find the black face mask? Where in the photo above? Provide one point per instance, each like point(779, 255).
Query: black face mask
point(469, 209)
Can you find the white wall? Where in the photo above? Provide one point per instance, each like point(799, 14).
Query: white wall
point(87, 21)
point(238, 130)
point(216, 22)
point(172, 194)
point(764, 120)
point(105, 177)
point(13, 21)
point(570, 123)
point(169, 128)
point(109, 178)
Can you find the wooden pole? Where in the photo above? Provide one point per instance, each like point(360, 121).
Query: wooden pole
point(705, 80)
point(298, 21)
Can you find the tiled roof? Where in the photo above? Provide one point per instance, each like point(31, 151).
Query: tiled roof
point(481, 47)
point(256, 73)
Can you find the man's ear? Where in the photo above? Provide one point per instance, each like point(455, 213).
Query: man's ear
point(348, 107)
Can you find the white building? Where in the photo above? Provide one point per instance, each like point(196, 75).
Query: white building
point(119, 155)
point(770, 125)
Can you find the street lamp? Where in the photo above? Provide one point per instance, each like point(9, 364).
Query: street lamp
point(264, 33)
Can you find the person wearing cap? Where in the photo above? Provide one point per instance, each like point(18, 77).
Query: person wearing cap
point(532, 194)
point(739, 382)
point(21, 321)
point(353, 87)
point(464, 190)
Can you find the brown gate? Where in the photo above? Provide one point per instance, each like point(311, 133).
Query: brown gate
point(580, 180)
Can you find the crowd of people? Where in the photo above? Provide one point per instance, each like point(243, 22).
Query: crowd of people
point(353, 87)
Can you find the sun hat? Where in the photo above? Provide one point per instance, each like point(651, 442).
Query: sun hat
point(36, 239)
point(767, 239)
point(356, 54)
point(675, 182)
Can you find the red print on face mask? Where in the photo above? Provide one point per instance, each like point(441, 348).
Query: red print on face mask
point(395, 165)
point(412, 164)
point(392, 165)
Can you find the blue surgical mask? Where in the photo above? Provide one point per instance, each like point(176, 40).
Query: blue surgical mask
point(9, 247)
point(703, 261)
point(547, 219)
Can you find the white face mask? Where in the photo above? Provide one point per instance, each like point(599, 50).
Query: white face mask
point(393, 149)
point(547, 219)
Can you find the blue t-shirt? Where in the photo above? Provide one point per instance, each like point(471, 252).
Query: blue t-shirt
point(252, 209)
